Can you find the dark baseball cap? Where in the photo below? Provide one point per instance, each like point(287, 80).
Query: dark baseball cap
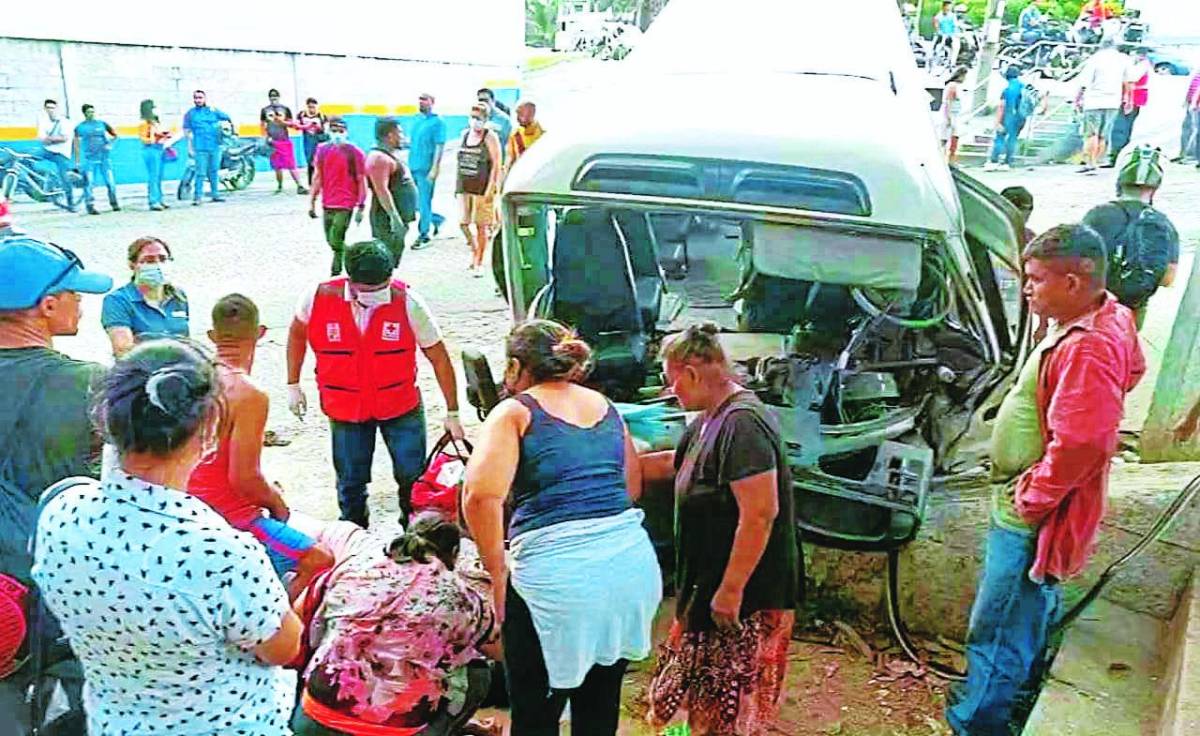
point(34, 269)
point(369, 262)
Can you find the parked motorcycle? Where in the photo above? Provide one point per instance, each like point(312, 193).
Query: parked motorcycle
point(237, 165)
point(35, 179)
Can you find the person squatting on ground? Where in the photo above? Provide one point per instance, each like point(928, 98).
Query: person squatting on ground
point(231, 480)
point(154, 140)
point(403, 634)
point(91, 152)
point(364, 330)
point(202, 125)
point(1142, 244)
point(425, 162)
point(46, 434)
point(149, 306)
point(341, 182)
point(1054, 438)
point(156, 593)
point(393, 192)
point(55, 140)
point(585, 583)
point(739, 574)
point(479, 170)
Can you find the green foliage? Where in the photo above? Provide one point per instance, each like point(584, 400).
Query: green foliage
point(1067, 10)
point(541, 22)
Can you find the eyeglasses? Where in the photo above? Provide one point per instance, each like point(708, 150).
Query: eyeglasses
point(73, 262)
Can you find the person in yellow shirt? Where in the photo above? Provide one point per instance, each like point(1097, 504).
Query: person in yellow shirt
point(156, 139)
point(526, 133)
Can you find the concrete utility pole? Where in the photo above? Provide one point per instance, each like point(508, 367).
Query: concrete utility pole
point(987, 55)
point(1178, 384)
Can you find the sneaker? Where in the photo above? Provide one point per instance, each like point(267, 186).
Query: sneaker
point(991, 166)
point(218, 199)
point(195, 203)
point(1109, 165)
point(116, 208)
point(163, 206)
point(1085, 169)
point(92, 210)
point(301, 190)
point(1004, 167)
point(157, 208)
point(436, 228)
point(422, 243)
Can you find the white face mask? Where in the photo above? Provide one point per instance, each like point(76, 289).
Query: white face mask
point(338, 136)
point(373, 298)
point(476, 124)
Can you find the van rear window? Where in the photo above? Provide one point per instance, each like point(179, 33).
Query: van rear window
point(743, 182)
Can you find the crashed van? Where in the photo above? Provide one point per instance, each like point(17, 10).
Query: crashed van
point(867, 293)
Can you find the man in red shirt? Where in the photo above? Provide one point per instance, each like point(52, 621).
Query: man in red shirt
point(231, 479)
point(1055, 435)
point(340, 179)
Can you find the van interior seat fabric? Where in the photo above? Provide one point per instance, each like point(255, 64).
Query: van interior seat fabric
point(649, 283)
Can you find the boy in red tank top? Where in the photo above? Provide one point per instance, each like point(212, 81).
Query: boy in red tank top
point(231, 480)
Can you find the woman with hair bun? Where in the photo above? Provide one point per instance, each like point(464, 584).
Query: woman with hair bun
point(178, 620)
point(739, 568)
point(584, 585)
point(404, 632)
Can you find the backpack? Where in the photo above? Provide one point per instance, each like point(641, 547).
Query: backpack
point(1028, 104)
point(1129, 257)
point(438, 487)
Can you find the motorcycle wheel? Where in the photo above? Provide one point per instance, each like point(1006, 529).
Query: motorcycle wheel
point(53, 190)
point(246, 175)
point(186, 182)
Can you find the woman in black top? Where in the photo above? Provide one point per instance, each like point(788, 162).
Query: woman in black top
point(737, 561)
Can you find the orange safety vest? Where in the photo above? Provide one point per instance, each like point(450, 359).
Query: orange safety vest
point(363, 376)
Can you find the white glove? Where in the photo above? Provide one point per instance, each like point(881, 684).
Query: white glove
point(296, 401)
point(454, 426)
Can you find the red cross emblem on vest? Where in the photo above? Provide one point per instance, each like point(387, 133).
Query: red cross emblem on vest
point(333, 332)
point(391, 331)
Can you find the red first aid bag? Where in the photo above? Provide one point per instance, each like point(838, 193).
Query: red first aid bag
point(438, 487)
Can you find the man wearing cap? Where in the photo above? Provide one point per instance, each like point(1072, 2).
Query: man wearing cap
point(364, 330)
point(425, 161)
point(46, 433)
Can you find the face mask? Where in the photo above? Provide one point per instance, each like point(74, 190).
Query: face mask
point(374, 298)
point(150, 274)
point(476, 124)
point(339, 136)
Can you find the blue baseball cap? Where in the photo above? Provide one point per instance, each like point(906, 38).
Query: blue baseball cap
point(34, 269)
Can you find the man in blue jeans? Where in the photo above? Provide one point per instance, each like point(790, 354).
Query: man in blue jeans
point(425, 163)
point(54, 135)
point(1055, 434)
point(92, 146)
point(202, 124)
point(364, 329)
point(1009, 122)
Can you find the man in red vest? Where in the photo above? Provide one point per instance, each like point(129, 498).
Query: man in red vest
point(365, 329)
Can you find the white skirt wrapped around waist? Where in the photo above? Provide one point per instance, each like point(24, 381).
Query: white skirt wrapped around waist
point(593, 587)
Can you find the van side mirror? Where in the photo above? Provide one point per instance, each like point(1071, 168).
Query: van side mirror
point(481, 386)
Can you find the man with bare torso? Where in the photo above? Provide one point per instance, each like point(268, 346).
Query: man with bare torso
point(231, 480)
point(393, 191)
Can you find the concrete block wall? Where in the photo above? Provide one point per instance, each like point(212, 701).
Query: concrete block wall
point(116, 78)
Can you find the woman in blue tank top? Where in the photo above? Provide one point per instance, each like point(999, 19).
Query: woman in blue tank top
point(579, 585)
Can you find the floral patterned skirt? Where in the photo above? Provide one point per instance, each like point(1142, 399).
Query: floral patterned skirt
point(729, 682)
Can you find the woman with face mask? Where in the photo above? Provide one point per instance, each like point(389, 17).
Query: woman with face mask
point(479, 169)
point(154, 591)
point(150, 305)
point(156, 141)
point(580, 584)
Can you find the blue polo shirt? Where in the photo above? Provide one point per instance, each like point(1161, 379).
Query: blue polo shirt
point(127, 307)
point(203, 122)
point(93, 139)
point(429, 132)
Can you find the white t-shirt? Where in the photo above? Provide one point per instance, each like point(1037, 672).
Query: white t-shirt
point(424, 326)
point(60, 127)
point(1102, 80)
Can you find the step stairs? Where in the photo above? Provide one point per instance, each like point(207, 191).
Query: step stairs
point(1037, 145)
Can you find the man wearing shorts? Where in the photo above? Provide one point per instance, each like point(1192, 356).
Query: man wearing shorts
point(1102, 85)
point(479, 169)
point(231, 479)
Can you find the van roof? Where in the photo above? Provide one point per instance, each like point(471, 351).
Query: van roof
point(847, 124)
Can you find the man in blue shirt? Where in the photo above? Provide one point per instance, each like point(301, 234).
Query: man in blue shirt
point(945, 28)
point(92, 144)
point(1030, 22)
point(202, 124)
point(425, 162)
point(1010, 119)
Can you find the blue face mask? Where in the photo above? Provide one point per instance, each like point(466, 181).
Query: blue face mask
point(338, 136)
point(150, 274)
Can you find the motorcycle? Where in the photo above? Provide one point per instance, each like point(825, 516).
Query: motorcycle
point(39, 183)
point(236, 171)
